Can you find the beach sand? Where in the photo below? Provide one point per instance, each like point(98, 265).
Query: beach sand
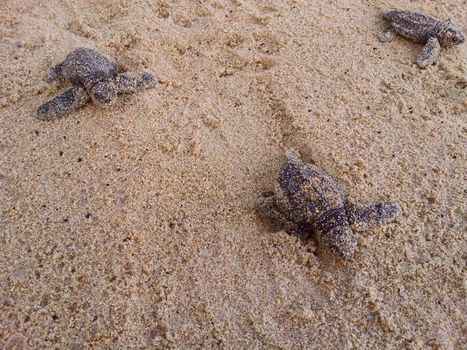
point(135, 227)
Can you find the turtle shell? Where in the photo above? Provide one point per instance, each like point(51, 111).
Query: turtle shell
point(85, 66)
point(413, 25)
point(309, 191)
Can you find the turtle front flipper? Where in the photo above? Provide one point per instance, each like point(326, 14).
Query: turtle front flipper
point(429, 53)
point(63, 104)
point(372, 215)
point(132, 82)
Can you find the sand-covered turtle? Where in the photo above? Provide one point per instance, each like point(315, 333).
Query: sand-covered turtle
point(308, 201)
point(422, 29)
point(92, 76)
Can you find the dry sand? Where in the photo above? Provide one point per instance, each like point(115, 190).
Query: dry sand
point(135, 227)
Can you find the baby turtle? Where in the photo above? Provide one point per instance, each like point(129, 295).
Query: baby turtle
point(93, 76)
point(307, 200)
point(422, 29)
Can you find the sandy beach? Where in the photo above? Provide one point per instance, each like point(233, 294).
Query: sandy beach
point(135, 226)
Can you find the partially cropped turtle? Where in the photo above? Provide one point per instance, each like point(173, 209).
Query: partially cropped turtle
point(308, 201)
point(422, 29)
point(93, 76)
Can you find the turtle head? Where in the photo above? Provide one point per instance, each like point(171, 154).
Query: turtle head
point(104, 92)
point(341, 240)
point(450, 35)
point(334, 231)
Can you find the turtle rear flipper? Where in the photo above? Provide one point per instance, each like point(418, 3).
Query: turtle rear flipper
point(387, 35)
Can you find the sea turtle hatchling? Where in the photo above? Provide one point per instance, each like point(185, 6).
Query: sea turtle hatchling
point(93, 76)
point(308, 201)
point(422, 29)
